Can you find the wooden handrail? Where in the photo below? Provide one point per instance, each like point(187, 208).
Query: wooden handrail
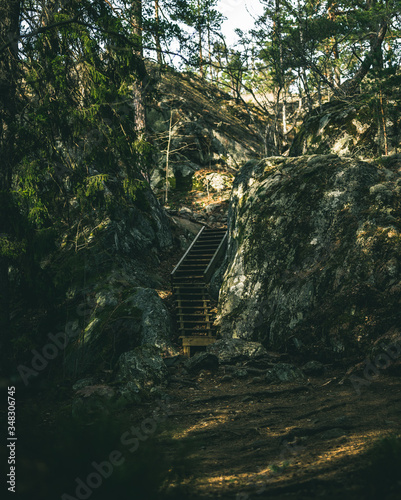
point(214, 260)
point(187, 252)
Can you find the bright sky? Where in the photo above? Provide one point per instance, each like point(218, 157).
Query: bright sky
point(239, 15)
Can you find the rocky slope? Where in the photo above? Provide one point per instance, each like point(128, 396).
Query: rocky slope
point(198, 126)
point(313, 262)
point(349, 128)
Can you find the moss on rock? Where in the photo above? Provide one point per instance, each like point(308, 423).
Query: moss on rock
point(314, 254)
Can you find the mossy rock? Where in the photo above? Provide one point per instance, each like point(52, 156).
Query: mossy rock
point(343, 128)
point(314, 254)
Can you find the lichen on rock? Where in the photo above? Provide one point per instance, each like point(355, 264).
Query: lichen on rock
point(346, 128)
point(313, 253)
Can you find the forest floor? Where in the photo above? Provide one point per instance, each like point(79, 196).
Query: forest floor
point(293, 440)
point(222, 437)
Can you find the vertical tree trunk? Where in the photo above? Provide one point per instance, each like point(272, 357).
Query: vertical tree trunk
point(350, 86)
point(337, 75)
point(276, 136)
point(202, 73)
point(210, 52)
point(331, 14)
point(9, 32)
point(168, 153)
point(157, 35)
point(139, 95)
point(284, 117)
point(384, 125)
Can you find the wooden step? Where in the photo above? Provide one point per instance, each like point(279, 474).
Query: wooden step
point(194, 311)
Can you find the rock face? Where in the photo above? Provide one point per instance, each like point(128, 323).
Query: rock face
point(118, 324)
point(314, 254)
point(346, 129)
point(230, 351)
point(143, 368)
point(108, 274)
point(208, 129)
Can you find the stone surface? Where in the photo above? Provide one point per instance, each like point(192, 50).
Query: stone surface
point(217, 280)
point(230, 351)
point(218, 182)
point(202, 361)
point(343, 128)
point(118, 324)
point(313, 254)
point(284, 372)
point(142, 367)
point(208, 129)
point(155, 318)
point(313, 368)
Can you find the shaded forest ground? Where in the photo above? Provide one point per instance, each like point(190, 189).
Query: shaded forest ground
point(220, 437)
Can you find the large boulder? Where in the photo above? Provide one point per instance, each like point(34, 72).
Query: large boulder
point(208, 128)
point(155, 318)
point(314, 254)
point(120, 320)
point(139, 374)
point(347, 129)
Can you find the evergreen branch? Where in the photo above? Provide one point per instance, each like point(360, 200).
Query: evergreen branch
point(37, 31)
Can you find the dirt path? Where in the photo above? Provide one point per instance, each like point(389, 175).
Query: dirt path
point(224, 437)
point(296, 441)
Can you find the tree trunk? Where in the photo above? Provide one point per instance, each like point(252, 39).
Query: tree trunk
point(350, 87)
point(337, 76)
point(202, 73)
point(210, 53)
point(139, 95)
point(331, 14)
point(285, 117)
point(157, 35)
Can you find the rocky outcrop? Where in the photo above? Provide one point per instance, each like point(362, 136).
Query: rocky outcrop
point(314, 254)
point(346, 128)
point(142, 368)
point(120, 321)
point(230, 351)
point(106, 266)
point(206, 128)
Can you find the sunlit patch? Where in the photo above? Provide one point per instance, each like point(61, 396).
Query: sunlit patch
point(214, 421)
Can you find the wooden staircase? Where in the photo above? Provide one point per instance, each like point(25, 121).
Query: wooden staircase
point(189, 280)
